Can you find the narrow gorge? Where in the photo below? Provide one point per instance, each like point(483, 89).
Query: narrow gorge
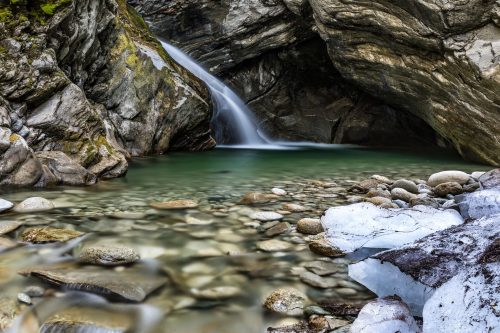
point(252, 166)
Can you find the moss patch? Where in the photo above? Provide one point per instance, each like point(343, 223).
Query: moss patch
point(50, 7)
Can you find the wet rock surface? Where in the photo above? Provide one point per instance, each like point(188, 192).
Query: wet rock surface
point(34, 205)
point(176, 204)
point(130, 285)
point(5, 205)
point(267, 51)
point(108, 255)
point(49, 235)
point(286, 301)
point(221, 264)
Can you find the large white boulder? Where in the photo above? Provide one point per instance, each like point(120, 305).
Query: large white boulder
point(366, 225)
point(468, 303)
point(415, 271)
point(385, 315)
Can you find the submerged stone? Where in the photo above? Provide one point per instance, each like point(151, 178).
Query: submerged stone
point(287, 301)
point(6, 244)
point(49, 235)
point(34, 205)
point(5, 205)
point(173, 205)
point(87, 319)
point(265, 216)
point(6, 227)
point(256, 198)
point(273, 245)
point(9, 310)
point(127, 285)
point(108, 255)
point(222, 292)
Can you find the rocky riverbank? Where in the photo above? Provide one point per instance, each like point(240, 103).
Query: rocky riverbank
point(305, 263)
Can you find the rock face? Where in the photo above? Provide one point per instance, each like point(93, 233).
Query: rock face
point(430, 60)
point(267, 51)
point(436, 59)
point(83, 86)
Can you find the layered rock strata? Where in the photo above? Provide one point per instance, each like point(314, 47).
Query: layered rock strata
point(84, 86)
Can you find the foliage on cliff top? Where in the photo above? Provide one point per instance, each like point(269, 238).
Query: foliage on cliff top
point(14, 11)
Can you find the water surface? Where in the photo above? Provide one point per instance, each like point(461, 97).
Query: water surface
point(213, 245)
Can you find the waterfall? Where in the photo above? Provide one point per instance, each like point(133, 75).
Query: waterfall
point(233, 122)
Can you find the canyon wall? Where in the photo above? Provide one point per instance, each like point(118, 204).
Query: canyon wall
point(413, 72)
point(84, 86)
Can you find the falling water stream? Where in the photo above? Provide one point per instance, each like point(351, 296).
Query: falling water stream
point(233, 122)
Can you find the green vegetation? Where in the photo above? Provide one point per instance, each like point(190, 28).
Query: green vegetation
point(5, 15)
point(50, 7)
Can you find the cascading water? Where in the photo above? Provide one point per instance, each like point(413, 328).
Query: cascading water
point(233, 122)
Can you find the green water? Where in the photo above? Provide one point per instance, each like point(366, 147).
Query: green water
point(219, 251)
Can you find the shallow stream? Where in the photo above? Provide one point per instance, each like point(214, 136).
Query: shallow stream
point(213, 245)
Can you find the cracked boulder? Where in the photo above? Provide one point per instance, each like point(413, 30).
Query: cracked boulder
point(415, 271)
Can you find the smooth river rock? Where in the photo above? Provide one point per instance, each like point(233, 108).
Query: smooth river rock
point(448, 176)
point(128, 285)
point(402, 194)
point(108, 255)
point(49, 235)
point(256, 198)
point(265, 216)
point(273, 245)
point(385, 315)
point(5, 205)
point(443, 189)
point(287, 301)
point(405, 184)
point(34, 205)
point(365, 225)
point(309, 226)
point(174, 205)
point(8, 226)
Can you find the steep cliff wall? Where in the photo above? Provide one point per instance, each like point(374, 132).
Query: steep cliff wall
point(412, 64)
point(83, 85)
